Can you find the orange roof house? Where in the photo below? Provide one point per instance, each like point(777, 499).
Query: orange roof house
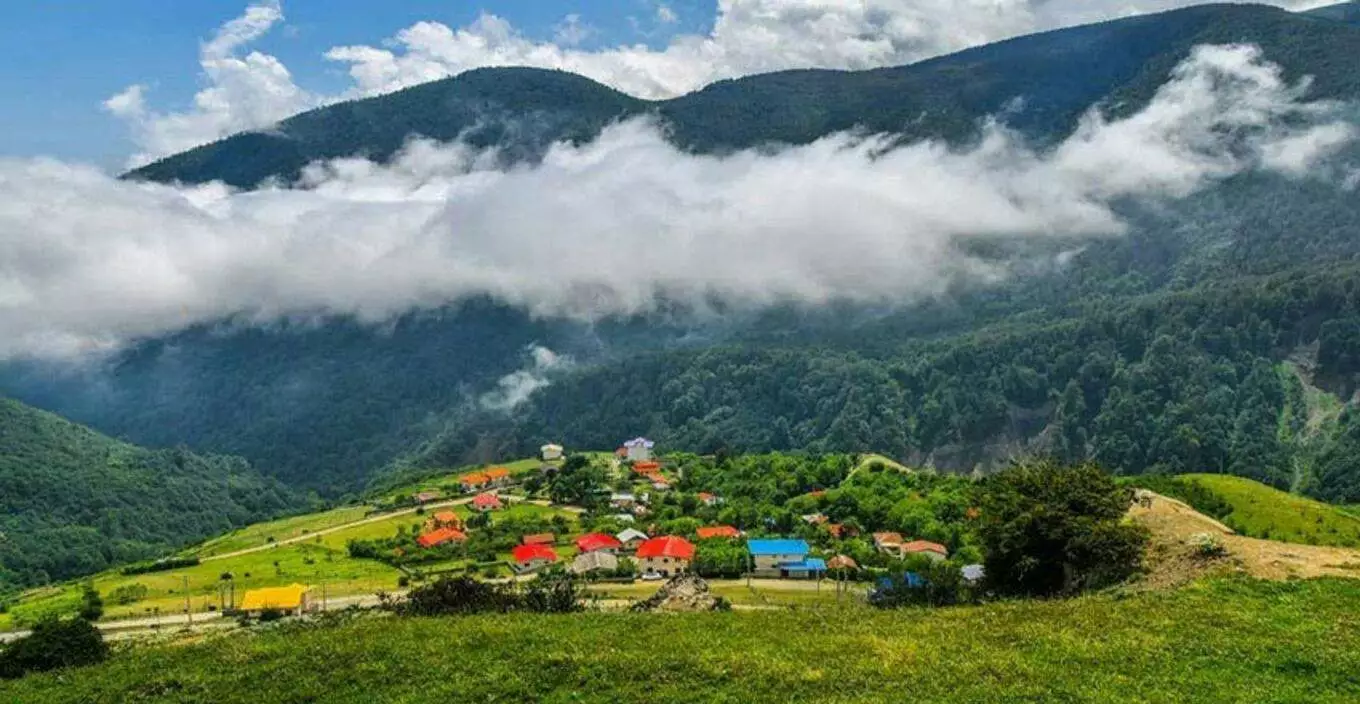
point(539, 539)
point(425, 496)
point(919, 547)
point(441, 536)
point(474, 480)
point(496, 474)
point(527, 554)
point(709, 532)
point(841, 562)
point(486, 502)
point(447, 519)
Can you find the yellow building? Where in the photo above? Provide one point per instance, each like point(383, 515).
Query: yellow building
point(292, 599)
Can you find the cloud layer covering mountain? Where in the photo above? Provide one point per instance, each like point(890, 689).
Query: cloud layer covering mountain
point(252, 90)
point(616, 225)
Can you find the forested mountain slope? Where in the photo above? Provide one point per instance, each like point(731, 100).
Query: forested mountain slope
point(74, 502)
point(1161, 349)
point(1041, 83)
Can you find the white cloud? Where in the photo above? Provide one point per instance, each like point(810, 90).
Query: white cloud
point(614, 226)
point(243, 92)
point(665, 15)
point(255, 91)
point(571, 31)
point(516, 387)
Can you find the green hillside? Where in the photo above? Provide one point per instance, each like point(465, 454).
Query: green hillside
point(1231, 641)
point(74, 502)
point(1262, 512)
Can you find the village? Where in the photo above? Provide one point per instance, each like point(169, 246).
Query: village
point(616, 546)
point(624, 522)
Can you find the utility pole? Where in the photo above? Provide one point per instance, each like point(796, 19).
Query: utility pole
point(188, 606)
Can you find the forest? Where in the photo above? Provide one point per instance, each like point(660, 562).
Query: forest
point(74, 502)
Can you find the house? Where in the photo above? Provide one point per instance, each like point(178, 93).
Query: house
point(638, 449)
point(446, 519)
point(486, 502)
point(595, 561)
point(497, 476)
point(934, 551)
point(708, 499)
point(647, 468)
point(660, 483)
point(425, 497)
point(623, 517)
point(294, 599)
point(775, 557)
point(888, 542)
point(550, 452)
point(666, 555)
point(815, 519)
point(711, 532)
point(440, 536)
point(808, 568)
point(838, 530)
point(842, 562)
point(622, 500)
point(532, 557)
point(538, 539)
point(599, 542)
point(475, 481)
point(631, 538)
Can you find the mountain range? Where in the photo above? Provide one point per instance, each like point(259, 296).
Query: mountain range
point(1215, 336)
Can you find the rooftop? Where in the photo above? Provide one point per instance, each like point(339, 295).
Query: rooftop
point(779, 546)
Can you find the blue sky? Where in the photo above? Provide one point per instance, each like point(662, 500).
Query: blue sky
point(62, 58)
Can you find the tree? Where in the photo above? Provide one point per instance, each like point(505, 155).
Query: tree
point(91, 604)
point(1049, 529)
point(54, 643)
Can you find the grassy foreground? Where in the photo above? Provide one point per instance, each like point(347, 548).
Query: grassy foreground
point(1226, 641)
point(1260, 511)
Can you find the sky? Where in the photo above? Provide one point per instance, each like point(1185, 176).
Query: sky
point(68, 57)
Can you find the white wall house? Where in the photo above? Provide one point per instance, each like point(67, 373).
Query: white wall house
point(639, 449)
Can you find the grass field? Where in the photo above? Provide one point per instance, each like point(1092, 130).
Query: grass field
point(1262, 512)
point(775, 593)
point(322, 560)
point(284, 529)
point(1229, 641)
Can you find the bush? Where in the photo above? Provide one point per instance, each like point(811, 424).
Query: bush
point(91, 604)
point(1208, 546)
point(1050, 529)
point(552, 592)
point(53, 644)
point(129, 594)
point(171, 563)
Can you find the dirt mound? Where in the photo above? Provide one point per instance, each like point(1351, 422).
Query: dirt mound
point(684, 592)
point(1174, 557)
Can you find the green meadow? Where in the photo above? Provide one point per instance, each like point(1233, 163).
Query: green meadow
point(1223, 641)
point(1260, 511)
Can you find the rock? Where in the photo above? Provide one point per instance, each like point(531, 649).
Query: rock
point(684, 592)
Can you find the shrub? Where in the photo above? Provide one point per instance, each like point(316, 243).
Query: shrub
point(1050, 529)
point(456, 595)
point(1208, 546)
point(53, 644)
point(91, 604)
point(170, 563)
point(269, 615)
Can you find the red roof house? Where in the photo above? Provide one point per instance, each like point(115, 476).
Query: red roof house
point(709, 532)
point(592, 542)
point(448, 519)
point(539, 539)
point(670, 546)
point(486, 502)
point(528, 554)
point(441, 536)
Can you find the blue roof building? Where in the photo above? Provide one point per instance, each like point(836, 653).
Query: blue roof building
point(786, 558)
